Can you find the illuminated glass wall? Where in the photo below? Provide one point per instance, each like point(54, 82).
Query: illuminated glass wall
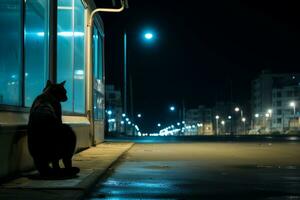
point(36, 48)
point(10, 52)
point(98, 74)
point(79, 70)
point(70, 53)
point(24, 53)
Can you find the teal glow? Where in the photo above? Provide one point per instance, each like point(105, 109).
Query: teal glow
point(148, 36)
point(172, 108)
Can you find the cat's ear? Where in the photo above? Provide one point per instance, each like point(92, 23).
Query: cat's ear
point(62, 83)
point(48, 83)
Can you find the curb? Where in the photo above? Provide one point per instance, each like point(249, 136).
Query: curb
point(89, 183)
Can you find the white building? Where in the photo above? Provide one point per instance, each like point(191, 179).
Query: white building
point(270, 97)
point(198, 121)
point(286, 101)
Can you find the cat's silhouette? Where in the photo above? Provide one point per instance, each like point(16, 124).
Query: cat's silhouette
point(49, 140)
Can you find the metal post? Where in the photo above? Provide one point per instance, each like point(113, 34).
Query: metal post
point(53, 41)
point(217, 126)
point(125, 78)
point(89, 67)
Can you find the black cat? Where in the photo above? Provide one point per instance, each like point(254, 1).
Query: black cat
point(49, 140)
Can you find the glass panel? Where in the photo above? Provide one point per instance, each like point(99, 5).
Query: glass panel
point(36, 48)
point(98, 75)
point(65, 43)
point(10, 52)
point(79, 69)
point(70, 53)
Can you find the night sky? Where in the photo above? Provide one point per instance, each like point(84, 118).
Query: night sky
point(200, 49)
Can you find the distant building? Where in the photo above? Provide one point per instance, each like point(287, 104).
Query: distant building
point(199, 121)
point(113, 108)
point(285, 101)
point(270, 97)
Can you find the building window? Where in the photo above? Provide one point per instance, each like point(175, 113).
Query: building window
point(289, 93)
point(278, 93)
point(70, 53)
point(10, 52)
point(279, 120)
point(279, 112)
point(278, 103)
point(36, 48)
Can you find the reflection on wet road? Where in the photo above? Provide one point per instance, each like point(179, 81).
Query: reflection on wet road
point(205, 171)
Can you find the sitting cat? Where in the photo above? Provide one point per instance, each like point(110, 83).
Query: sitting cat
point(49, 140)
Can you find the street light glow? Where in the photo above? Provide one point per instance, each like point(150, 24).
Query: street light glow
point(172, 108)
point(270, 111)
point(217, 116)
point(243, 119)
point(139, 115)
point(292, 104)
point(256, 115)
point(237, 109)
point(148, 36)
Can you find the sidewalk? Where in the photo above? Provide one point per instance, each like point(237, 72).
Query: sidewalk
point(92, 162)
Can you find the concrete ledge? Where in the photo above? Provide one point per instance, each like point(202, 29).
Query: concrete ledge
point(93, 162)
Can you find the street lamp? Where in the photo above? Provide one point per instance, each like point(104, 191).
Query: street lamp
point(172, 108)
point(139, 115)
point(293, 104)
point(244, 122)
point(237, 109)
point(230, 121)
point(109, 112)
point(269, 112)
point(217, 124)
point(223, 124)
point(147, 36)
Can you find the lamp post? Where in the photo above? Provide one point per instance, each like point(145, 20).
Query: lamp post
point(237, 109)
point(267, 119)
point(223, 124)
point(217, 124)
point(244, 122)
point(147, 36)
point(230, 121)
point(293, 104)
point(89, 58)
point(256, 121)
point(270, 111)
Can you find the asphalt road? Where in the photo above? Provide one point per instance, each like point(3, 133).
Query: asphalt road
point(205, 170)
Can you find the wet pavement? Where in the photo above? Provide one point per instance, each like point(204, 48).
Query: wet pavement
point(212, 170)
